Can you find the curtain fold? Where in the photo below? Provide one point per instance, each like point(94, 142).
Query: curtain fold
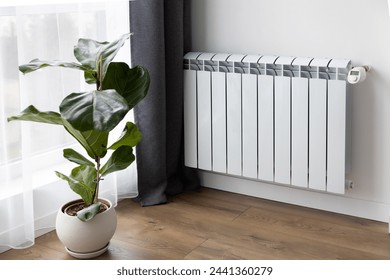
point(158, 44)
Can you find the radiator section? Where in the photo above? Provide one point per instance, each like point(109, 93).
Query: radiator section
point(267, 118)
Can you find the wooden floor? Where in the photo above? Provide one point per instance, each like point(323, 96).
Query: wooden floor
point(212, 224)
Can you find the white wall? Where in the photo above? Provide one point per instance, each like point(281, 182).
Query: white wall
point(355, 29)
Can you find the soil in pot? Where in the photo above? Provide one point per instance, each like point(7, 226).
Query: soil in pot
point(72, 209)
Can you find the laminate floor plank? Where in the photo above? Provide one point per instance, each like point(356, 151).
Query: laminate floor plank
point(310, 228)
point(213, 224)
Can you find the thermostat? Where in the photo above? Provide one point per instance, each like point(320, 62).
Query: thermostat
point(357, 74)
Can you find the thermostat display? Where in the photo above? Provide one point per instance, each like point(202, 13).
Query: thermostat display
point(357, 74)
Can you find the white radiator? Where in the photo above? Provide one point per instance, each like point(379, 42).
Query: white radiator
point(267, 118)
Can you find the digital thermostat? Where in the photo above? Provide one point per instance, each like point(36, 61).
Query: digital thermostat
point(357, 74)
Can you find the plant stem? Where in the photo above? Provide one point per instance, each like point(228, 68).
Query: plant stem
point(99, 86)
point(100, 79)
point(96, 193)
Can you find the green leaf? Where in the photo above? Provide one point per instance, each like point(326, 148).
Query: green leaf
point(98, 55)
point(130, 136)
point(81, 181)
point(120, 159)
point(90, 77)
point(86, 52)
point(95, 110)
point(75, 157)
point(34, 115)
point(94, 142)
point(131, 83)
point(36, 64)
point(89, 212)
point(97, 140)
point(108, 53)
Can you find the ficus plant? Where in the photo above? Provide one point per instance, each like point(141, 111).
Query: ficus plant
point(90, 116)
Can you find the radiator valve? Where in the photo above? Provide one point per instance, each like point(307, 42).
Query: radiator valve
point(349, 184)
point(358, 74)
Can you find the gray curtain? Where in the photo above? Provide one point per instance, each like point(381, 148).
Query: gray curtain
point(158, 43)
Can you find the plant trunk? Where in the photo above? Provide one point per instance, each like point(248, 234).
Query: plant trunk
point(96, 194)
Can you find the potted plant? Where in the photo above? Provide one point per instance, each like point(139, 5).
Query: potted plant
point(86, 226)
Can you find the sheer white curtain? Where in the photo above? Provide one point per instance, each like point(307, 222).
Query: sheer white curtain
point(30, 193)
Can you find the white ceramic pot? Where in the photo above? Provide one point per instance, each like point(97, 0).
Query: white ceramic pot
point(86, 239)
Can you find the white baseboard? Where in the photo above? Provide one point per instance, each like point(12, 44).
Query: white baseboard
point(329, 202)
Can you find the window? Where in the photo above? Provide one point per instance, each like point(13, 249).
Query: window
point(30, 152)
